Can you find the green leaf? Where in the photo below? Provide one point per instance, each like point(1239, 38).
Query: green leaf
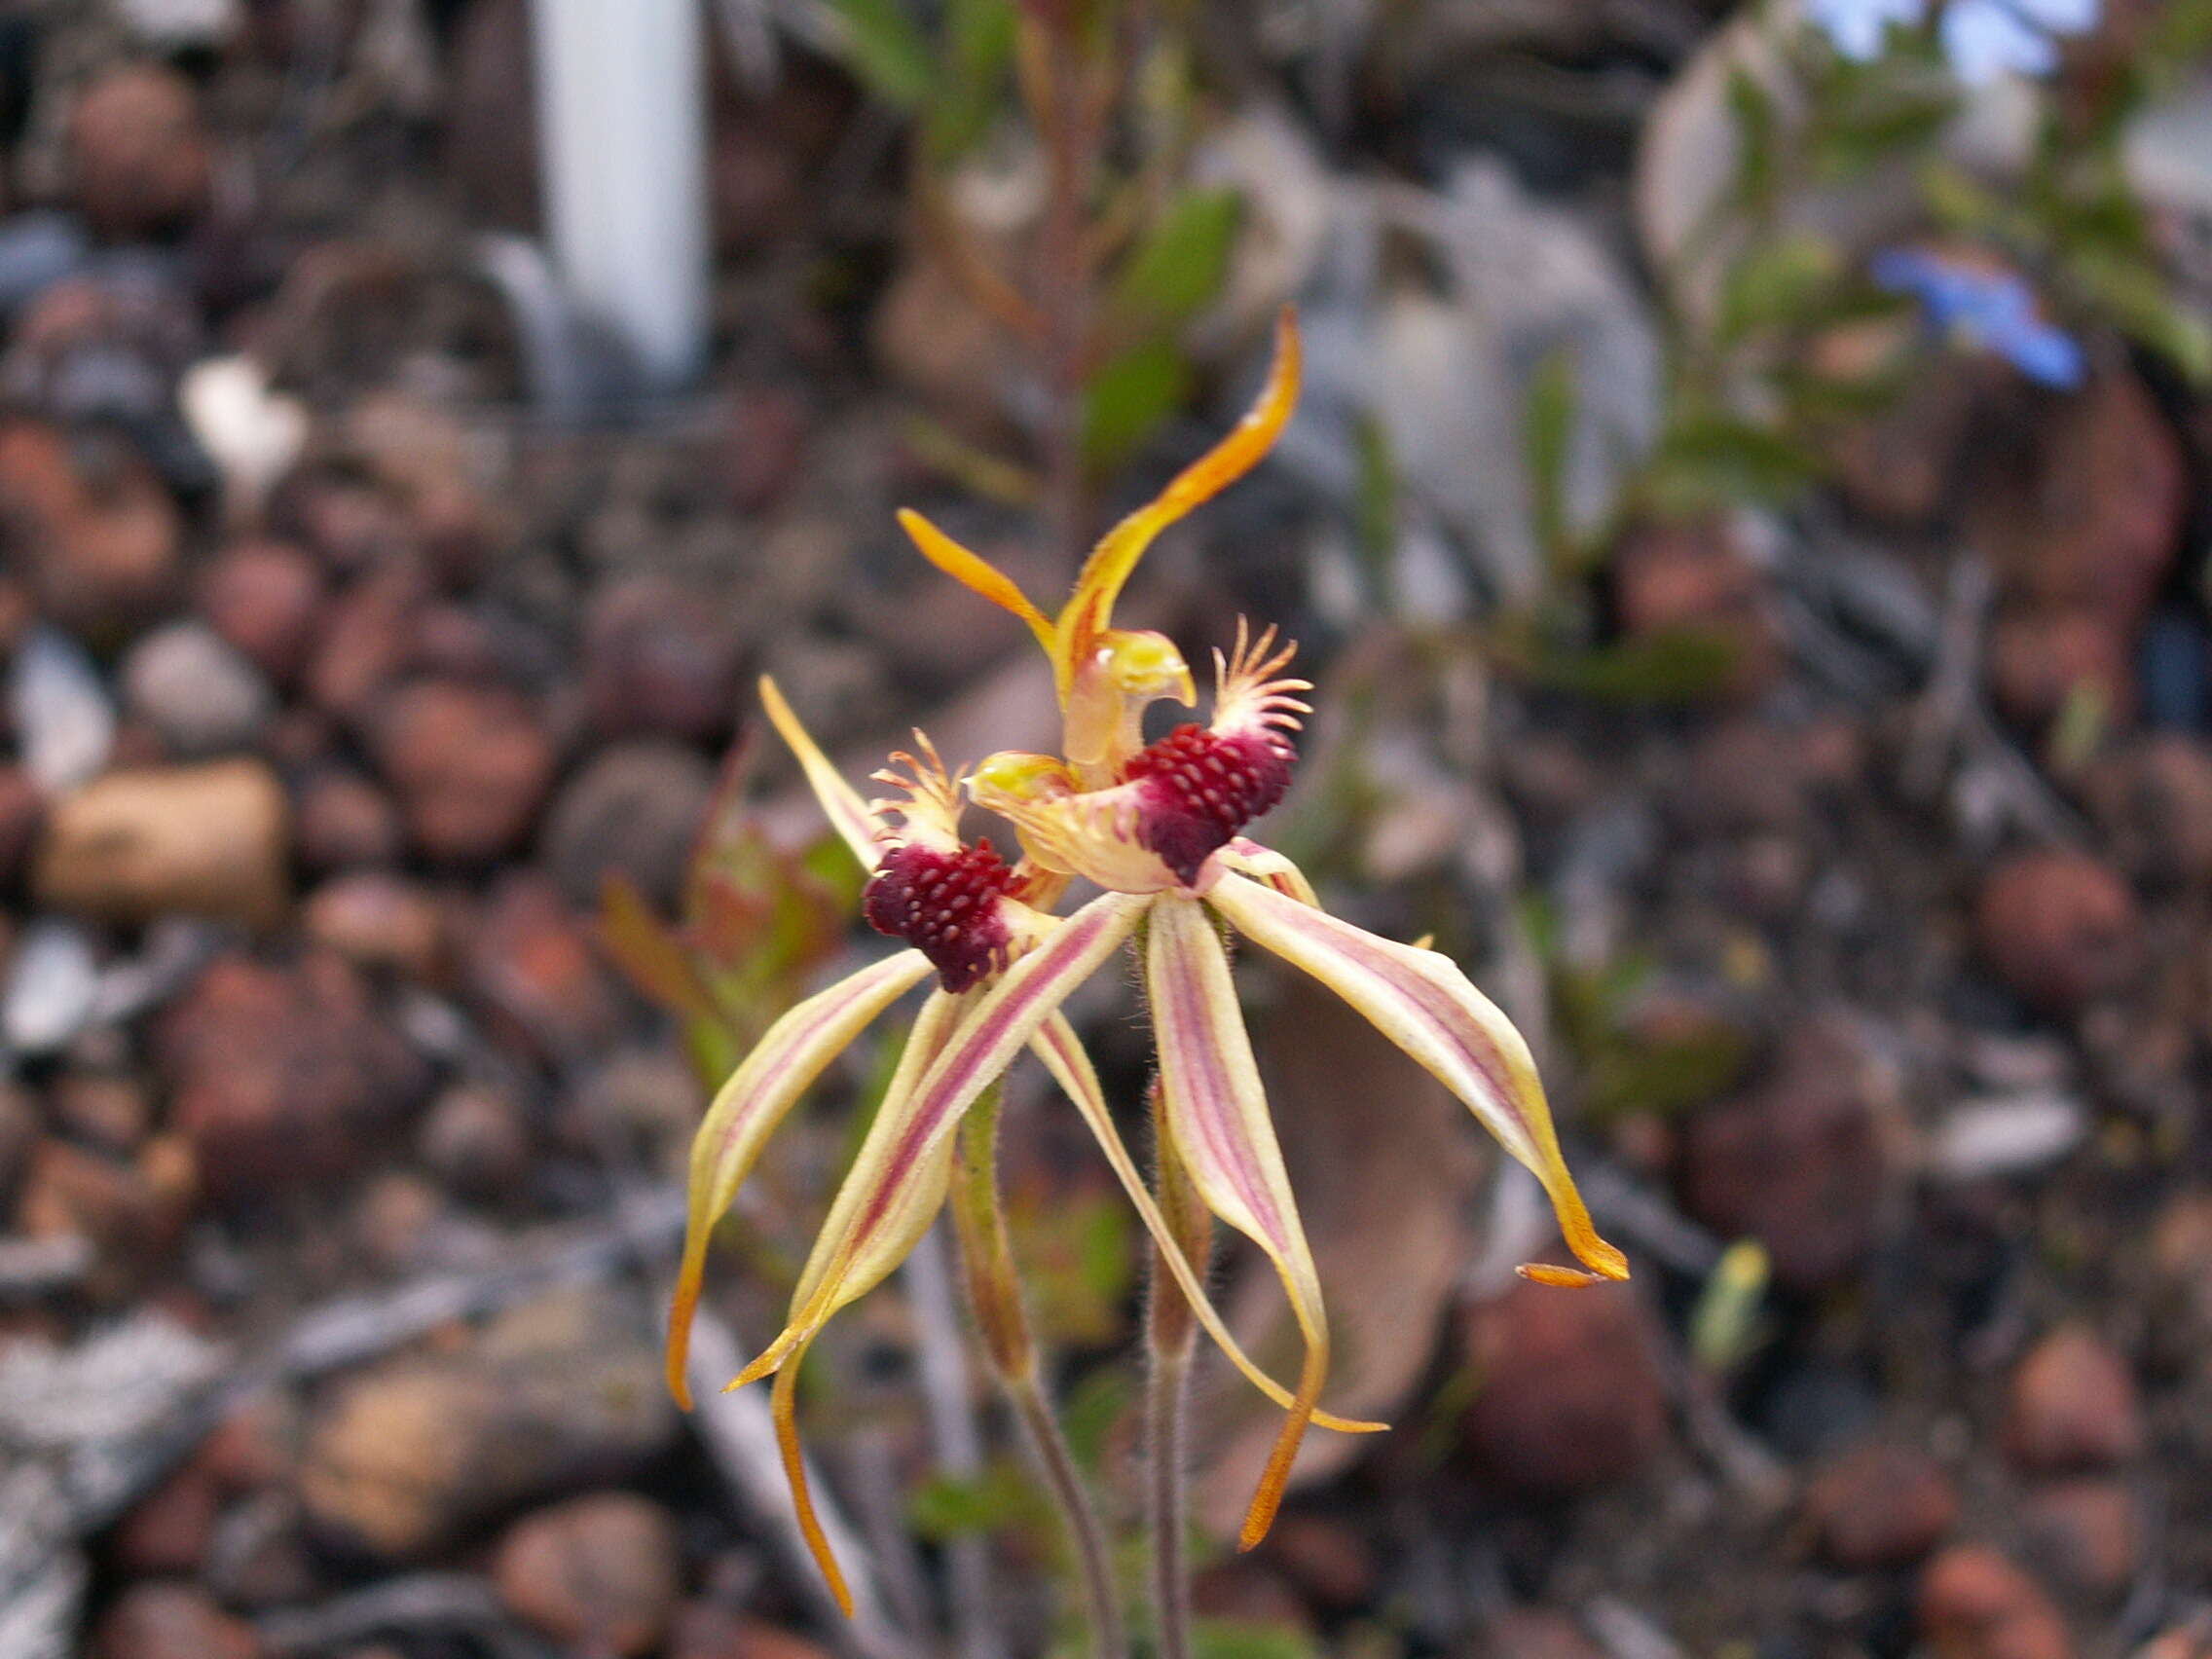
point(2138, 299)
point(1128, 400)
point(886, 48)
point(1242, 1639)
point(1547, 429)
point(649, 953)
point(945, 1507)
point(1183, 258)
point(1681, 665)
point(979, 47)
point(1778, 285)
point(1713, 460)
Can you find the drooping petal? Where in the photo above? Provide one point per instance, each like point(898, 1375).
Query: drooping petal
point(977, 574)
point(1064, 1056)
point(1421, 1002)
point(1217, 1112)
point(995, 1025)
point(848, 813)
point(1089, 613)
point(755, 1099)
point(912, 1196)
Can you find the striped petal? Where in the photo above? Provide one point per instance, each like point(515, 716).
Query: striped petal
point(848, 813)
point(995, 1026)
point(1421, 1002)
point(1064, 1056)
point(1247, 857)
point(910, 1198)
point(749, 1107)
point(1217, 1115)
point(1089, 613)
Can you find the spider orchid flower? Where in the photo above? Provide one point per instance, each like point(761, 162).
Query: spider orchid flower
point(1158, 826)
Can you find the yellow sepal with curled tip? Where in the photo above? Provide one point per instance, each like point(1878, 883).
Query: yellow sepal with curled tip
point(975, 572)
point(1090, 613)
point(848, 813)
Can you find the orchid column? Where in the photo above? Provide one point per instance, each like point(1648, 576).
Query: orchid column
point(621, 120)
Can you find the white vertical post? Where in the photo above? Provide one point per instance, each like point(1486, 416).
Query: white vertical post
point(621, 119)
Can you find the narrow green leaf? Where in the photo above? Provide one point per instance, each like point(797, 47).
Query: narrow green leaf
point(885, 47)
point(1129, 398)
point(1183, 258)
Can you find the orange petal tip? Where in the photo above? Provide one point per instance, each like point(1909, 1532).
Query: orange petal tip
point(1564, 1279)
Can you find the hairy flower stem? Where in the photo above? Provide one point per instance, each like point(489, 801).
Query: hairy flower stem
point(995, 1291)
point(1171, 1336)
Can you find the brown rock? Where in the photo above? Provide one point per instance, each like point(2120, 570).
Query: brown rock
point(1248, 1591)
point(410, 1452)
point(108, 1110)
point(344, 821)
point(1536, 1633)
point(168, 1530)
point(18, 1133)
point(131, 1212)
point(2074, 1405)
point(204, 840)
point(2088, 509)
point(707, 1629)
point(2086, 1533)
point(1975, 1605)
point(1689, 577)
point(265, 599)
point(471, 766)
point(635, 810)
point(2154, 799)
point(660, 661)
point(367, 640)
point(2058, 928)
point(378, 920)
point(1331, 1561)
point(1571, 1396)
point(92, 521)
point(1795, 1163)
point(1880, 1505)
point(173, 1621)
point(283, 1075)
point(140, 153)
point(21, 811)
point(475, 1141)
point(1744, 777)
point(533, 961)
point(2040, 657)
point(600, 1575)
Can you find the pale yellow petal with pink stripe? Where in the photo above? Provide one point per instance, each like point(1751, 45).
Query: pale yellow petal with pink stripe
point(1217, 1114)
point(1422, 1002)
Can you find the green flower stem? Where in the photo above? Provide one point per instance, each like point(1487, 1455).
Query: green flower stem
point(995, 1291)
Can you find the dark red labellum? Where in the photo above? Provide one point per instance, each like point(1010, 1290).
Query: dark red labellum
point(1202, 788)
point(946, 905)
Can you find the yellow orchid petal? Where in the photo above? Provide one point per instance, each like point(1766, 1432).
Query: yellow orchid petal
point(848, 813)
point(1065, 1058)
point(977, 574)
point(747, 1110)
point(1425, 1003)
point(1089, 613)
point(1217, 1114)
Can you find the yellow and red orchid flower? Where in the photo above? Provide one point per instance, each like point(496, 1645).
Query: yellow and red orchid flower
point(1158, 826)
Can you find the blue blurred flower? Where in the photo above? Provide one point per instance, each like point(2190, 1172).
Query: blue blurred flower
point(1982, 38)
point(1994, 310)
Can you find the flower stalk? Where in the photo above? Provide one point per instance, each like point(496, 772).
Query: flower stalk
point(994, 1291)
